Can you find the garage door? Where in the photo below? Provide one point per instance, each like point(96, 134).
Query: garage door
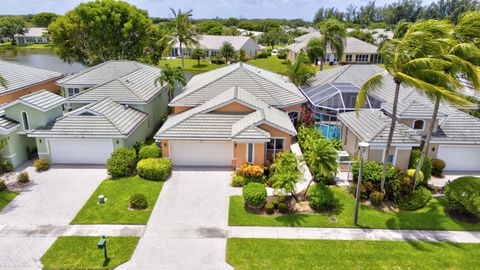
point(460, 158)
point(80, 151)
point(201, 153)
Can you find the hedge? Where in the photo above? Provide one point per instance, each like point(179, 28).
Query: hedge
point(149, 151)
point(154, 168)
point(464, 194)
point(122, 162)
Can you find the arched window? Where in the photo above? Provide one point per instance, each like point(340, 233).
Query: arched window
point(418, 124)
point(293, 117)
point(26, 125)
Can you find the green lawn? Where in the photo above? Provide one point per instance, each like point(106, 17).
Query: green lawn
point(271, 63)
point(115, 209)
point(9, 46)
point(324, 254)
point(191, 64)
point(431, 217)
point(6, 196)
point(81, 252)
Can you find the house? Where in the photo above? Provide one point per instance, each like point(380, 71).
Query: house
point(33, 35)
point(379, 34)
point(21, 117)
point(456, 138)
point(249, 33)
point(111, 105)
point(229, 116)
point(23, 80)
point(356, 50)
point(212, 45)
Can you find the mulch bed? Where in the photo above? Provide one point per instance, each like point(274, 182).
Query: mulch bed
point(462, 216)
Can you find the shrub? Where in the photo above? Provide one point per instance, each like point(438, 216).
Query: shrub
point(269, 208)
point(282, 55)
point(217, 61)
point(149, 151)
point(329, 180)
point(416, 200)
point(464, 194)
point(251, 170)
point(262, 55)
point(23, 177)
point(254, 194)
point(237, 181)
point(437, 167)
point(41, 164)
point(427, 164)
point(321, 197)
point(282, 208)
point(154, 168)
point(122, 162)
point(276, 201)
point(411, 174)
point(138, 201)
point(5, 166)
point(3, 186)
point(376, 197)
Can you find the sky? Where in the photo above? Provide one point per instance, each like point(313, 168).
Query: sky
point(289, 9)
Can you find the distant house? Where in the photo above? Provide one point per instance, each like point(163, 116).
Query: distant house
point(34, 35)
point(22, 80)
point(212, 45)
point(249, 33)
point(356, 51)
point(379, 34)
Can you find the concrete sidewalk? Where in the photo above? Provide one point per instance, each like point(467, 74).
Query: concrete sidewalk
point(354, 234)
point(49, 231)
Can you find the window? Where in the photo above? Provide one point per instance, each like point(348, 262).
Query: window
point(361, 58)
point(418, 124)
point(73, 91)
point(293, 117)
point(274, 146)
point(26, 125)
point(250, 152)
point(390, 159)
point(348, 58)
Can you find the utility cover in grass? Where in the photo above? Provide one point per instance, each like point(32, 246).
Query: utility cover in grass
point(81, 252)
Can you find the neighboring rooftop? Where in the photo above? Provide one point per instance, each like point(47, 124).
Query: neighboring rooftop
point(101, 119)
point(211, 42)
point(20, 76)
point(42, 100)
point(352, 45)
point(373, 126)
point(34, 32)
point(102, 73)
point(269, 87)
point(137, 87)
point(6, 123)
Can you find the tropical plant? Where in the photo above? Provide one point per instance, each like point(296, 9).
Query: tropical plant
point(254, 194)
point(464, 57)
point(183, 31)
point(300, 72)
point(284, 174)
point(227, 51)
point(321, 158)
point(315, 50)
point(3, 82)
point(198, 54)
point(321, 197)
point(170, 76)
point(408, 61)
point(333, 34)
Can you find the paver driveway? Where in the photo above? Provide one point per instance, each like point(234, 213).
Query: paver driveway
point(188, 227)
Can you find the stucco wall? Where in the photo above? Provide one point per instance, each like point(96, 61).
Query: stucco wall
point(35, 117)
point(164, 146)
point(50, 86)
point(277, 133)
point(179, 109)
point(141, 133)
point(251, 47)
point(234, 107)
point(403, 158)
point(16, 150)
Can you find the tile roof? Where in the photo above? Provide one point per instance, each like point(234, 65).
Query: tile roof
point(211, 42)
point(355, 74)
point(352, 45)
point(373, 126)
point(133, 88)
point(458, 127)
point(34, 32)
point(42, 100)
point(102, 73)
point(270, 87)
point(104, 119)
point(6, 123)
point(20, 76)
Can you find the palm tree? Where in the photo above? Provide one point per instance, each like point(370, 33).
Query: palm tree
point(300, 72)
point(183, 31)
point(321, 157)
point(333, 34)
point(315, 50)
point(227, 51)
point(464, 56)
point(170, 76)
point(3, 82)
point(407, 60)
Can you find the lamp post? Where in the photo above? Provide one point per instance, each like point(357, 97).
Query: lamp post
point(363, 150)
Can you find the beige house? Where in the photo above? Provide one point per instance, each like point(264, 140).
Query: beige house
point(356, 50)
point(229, 116)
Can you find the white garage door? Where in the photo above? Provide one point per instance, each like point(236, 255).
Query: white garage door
point(460, 158)
point(80, 151)
point(201, 153)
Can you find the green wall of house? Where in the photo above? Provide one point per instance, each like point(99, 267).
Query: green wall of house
point(35, 117)
point(16, 150)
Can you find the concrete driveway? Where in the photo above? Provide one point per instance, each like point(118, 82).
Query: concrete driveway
point(188, 226)
point(54, 196)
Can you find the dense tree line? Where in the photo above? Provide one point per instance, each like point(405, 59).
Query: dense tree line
point(370, 14)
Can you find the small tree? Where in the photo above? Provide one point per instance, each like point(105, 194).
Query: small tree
point(198, 54)
point(285, 174)
point(315, 50)
point(321, 157)
point(227, 51)
point(243, 56)
point(170, 76)
point(10, 26)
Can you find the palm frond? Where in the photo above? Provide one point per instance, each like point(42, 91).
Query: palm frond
point(371, 85)
point(3, 82)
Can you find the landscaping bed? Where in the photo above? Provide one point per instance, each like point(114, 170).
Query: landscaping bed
point(336, 254)
point(81, 252)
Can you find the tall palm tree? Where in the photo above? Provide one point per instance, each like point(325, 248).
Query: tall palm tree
point(170, 76)
point(315, 50)
point(3, 82)
point(333, 34)
point(464, 57)
point(184, 31)
point(299, 72)
point(407, 60)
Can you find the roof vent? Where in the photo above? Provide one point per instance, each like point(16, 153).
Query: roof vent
point(126, 106)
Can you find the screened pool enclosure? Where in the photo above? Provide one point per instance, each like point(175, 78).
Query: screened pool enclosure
point(329, 99)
